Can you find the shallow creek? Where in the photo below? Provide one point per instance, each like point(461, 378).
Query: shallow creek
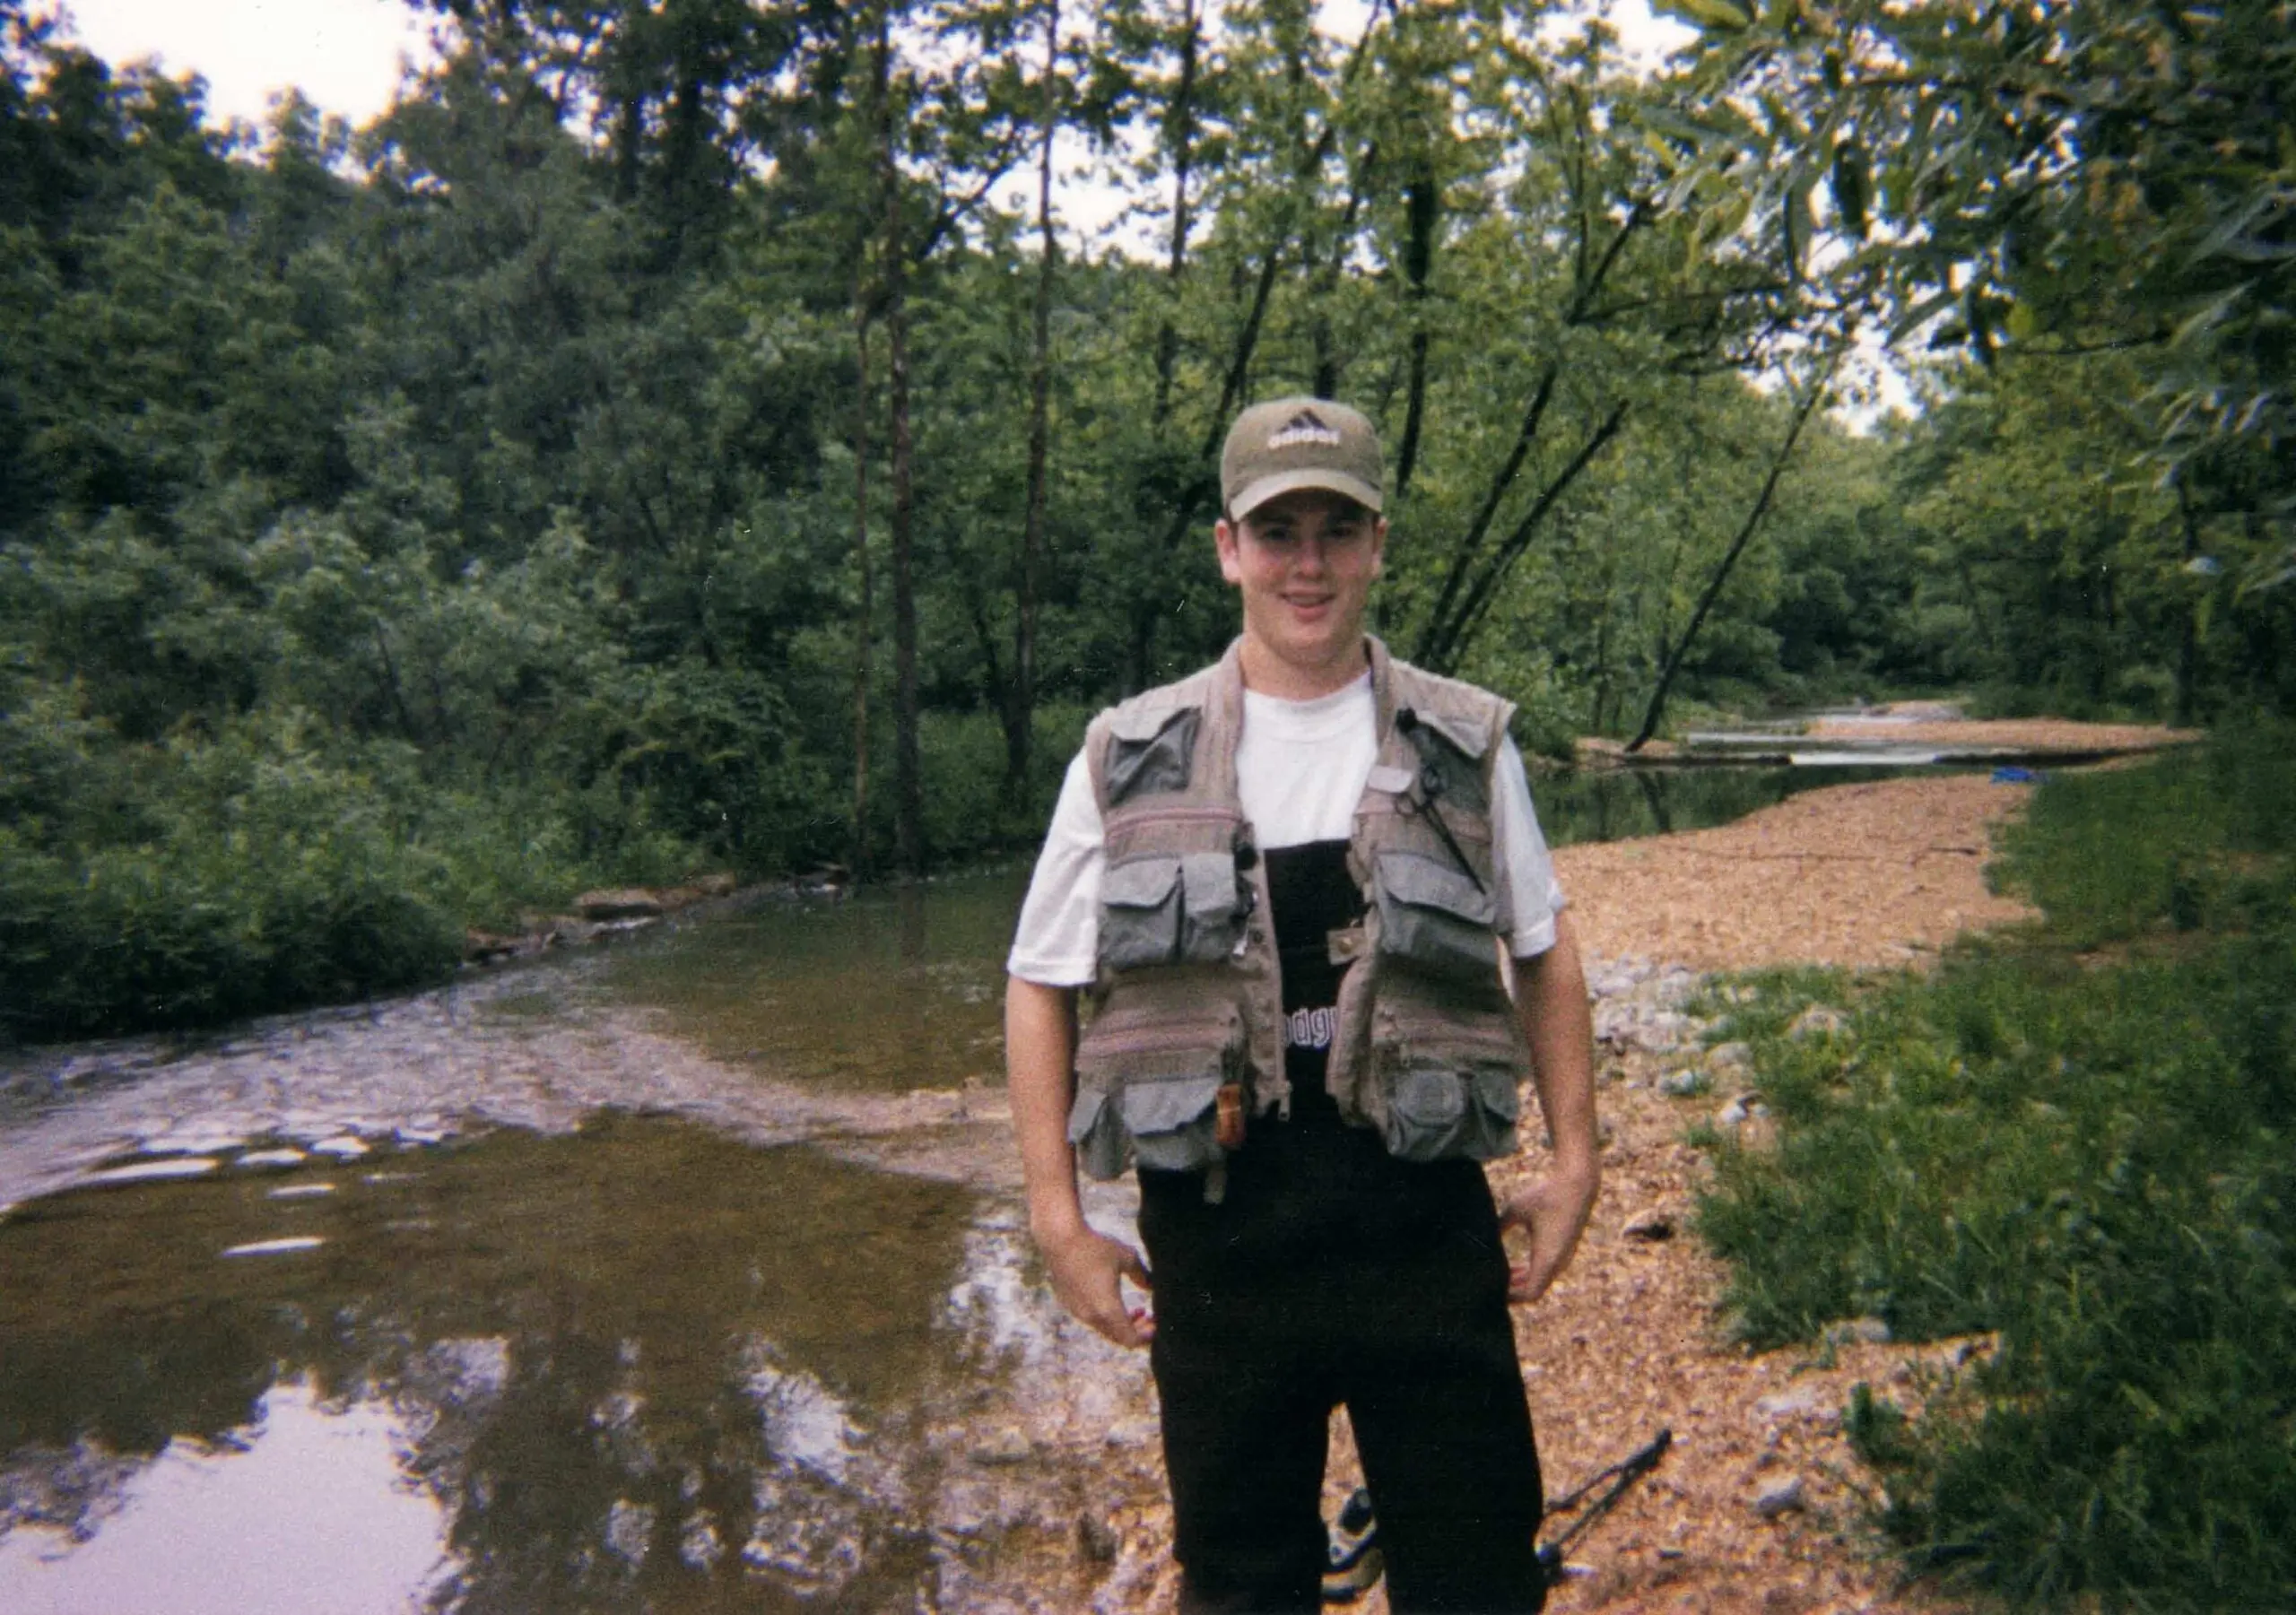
point(685, 1273)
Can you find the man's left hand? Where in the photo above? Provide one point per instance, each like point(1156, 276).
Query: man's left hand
point(1552, 1211)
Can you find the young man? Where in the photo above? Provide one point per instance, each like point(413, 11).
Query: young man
point(1287, 882)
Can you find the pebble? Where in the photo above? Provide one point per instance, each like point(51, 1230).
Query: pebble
point(1683, 1084)
point(271, 1157)
point(150, 1171)
point(343, 1146)
point(1006, 1446)
point(1859, 1332)
point(1654, 1223)
point(1818, 1020)
point(1729, 1056)
point(1733, 1115)
point(300, 1191)
point(1806, 1404)
point(1096, 1540)
point(1779, 1497)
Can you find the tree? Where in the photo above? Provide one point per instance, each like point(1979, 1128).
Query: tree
point(2054, 178)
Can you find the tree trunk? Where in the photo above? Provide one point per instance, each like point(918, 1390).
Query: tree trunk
point(863, 612)
point(1019, 694)
point(2188, 636)
point(1422, 207)
point(908, 784)
point(1181, 121)
point(1674, 662)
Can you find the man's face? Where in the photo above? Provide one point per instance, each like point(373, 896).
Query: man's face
point(1304, 562)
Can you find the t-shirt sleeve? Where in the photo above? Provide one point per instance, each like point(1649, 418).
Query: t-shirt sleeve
point(1519, 848)
point(1057, 943)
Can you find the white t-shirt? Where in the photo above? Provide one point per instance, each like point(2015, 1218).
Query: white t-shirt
point(1301, 769)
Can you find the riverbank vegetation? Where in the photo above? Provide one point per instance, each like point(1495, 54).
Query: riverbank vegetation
point(2073, 1139)
point(690, 435)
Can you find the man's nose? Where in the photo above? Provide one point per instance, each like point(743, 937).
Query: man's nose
point(1311, 556)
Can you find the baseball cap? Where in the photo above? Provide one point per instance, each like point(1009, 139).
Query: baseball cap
point(1287, 444)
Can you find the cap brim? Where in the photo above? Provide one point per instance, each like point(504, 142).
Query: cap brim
point(1256, 494)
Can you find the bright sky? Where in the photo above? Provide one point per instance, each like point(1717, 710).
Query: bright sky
point(344, 55)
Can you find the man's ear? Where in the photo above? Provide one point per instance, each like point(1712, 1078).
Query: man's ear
point(1224, 538)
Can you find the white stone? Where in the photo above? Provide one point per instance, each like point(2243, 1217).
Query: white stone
point(343, 1146)
point(152, 1171)
point(300, 1191)
point(1806, 1402)
point(1818, 1020)
point(277, 1247)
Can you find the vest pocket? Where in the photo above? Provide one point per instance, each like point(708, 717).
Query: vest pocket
point(1150, 752)
point(1148, 1080)
point(1167, 909)
point(1449, 1086)
point(1436, 916)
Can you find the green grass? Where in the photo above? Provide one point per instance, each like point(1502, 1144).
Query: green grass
point(2078, 1137)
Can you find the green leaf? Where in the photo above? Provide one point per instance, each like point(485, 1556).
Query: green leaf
point(1710, 13)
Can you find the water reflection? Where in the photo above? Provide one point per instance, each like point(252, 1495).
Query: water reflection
point(642, 1366)
point(892, 989)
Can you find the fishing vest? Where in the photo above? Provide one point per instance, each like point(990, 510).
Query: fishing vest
point(1185, 1044)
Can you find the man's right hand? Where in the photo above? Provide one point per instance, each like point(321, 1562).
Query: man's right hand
point(1086, 1267)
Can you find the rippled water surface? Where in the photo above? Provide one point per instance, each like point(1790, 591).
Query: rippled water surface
point(684, 1275)
point(893, 989)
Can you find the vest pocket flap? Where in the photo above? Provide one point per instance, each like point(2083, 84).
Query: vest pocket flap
point(1169, 1107)
point(1094, 1129)
point(1433, 915)
point(1428, 1098)
point(1172, 1124)
point(1150, 752)
point(1140, 913)
point(1210, 882)
point(1143, 883)
point(1443, 1112)
point(1495, 1091)
point(1471, 738)
point(1424, 883)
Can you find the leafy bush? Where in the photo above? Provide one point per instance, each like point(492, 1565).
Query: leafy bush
point(2090, 1159)
point(266, 877)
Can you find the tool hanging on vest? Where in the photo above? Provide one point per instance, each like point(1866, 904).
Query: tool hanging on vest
point(1353, 1563)
point(1429, 791)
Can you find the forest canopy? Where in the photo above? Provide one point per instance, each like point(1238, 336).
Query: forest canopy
point(689, 435)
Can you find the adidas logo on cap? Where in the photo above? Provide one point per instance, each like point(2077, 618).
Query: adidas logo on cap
point(1306, 427)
